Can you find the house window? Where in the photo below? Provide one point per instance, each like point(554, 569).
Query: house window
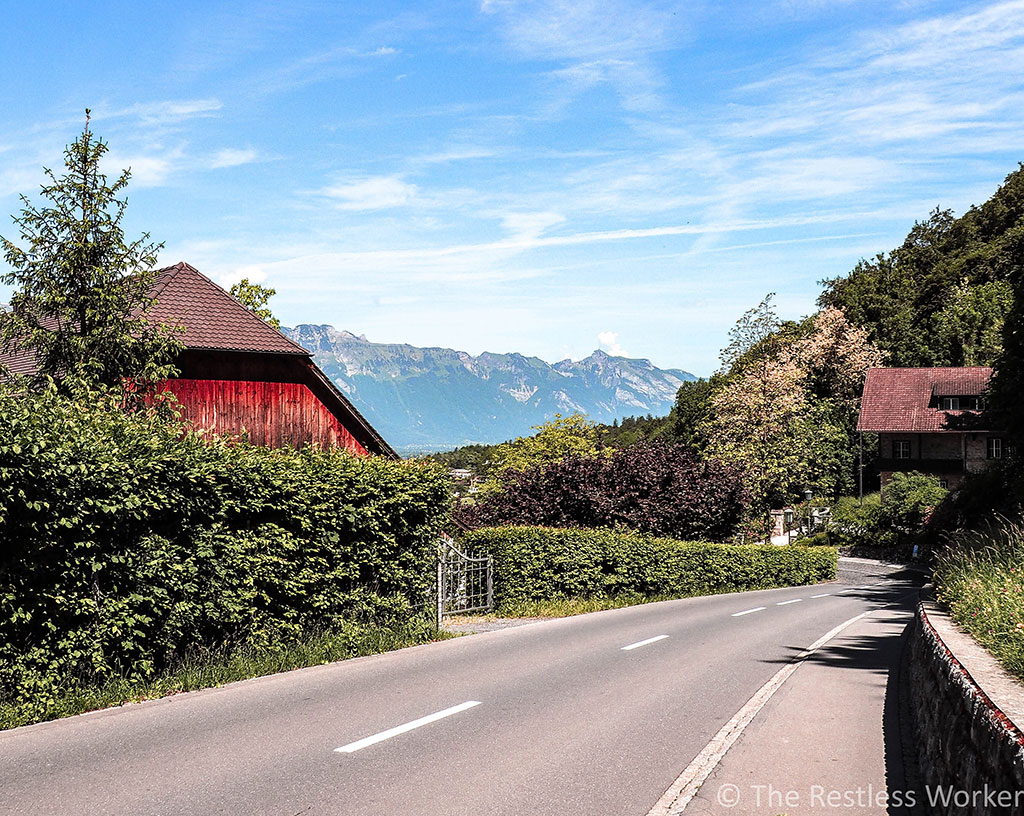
point(950, 403)
point(995, 447)
point(901, 449)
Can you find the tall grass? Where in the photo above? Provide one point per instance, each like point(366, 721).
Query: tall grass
point(980, 578)
point(210, 668)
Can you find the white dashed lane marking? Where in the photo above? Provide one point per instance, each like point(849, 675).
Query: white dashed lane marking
point(409, 726)
point(748, 611)
point(654, 639)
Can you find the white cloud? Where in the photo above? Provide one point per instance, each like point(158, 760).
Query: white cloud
point(147, 170)
point(530, 224)
point(609, 341)
point(233, 157)
point(373, 193)
point(164, 112)
point(255, 274)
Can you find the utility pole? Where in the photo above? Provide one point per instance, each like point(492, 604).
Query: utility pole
point(860, 466)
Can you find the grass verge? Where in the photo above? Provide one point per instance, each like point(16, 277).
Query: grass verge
point(566, 607)
point(216, 668)
point(979, 577)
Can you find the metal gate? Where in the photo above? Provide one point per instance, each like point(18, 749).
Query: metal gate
point(464, 583)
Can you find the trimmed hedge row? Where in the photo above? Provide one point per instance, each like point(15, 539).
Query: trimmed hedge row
point(126, 544)
point(540, 563)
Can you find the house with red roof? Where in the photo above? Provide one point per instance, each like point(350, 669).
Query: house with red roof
point(238, 374)
point(931, 420)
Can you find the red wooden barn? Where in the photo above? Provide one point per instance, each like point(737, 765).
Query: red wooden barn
point(240, 374)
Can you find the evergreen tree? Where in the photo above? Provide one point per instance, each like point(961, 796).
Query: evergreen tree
point(81, 292)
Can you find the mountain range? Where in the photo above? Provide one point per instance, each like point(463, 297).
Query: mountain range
point(430, 399)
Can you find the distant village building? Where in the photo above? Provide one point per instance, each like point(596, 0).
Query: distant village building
point(239, 374)
point(930, 420)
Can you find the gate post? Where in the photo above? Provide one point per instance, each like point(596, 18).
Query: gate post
point(440, 585)
point(490, 582)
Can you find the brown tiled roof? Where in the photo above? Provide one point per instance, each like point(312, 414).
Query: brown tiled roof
point(212, 318)
point(902, 400)
point(20, 361)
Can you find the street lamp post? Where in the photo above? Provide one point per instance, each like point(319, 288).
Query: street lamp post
point(808, 495)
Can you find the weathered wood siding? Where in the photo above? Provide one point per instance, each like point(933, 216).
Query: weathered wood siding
point(271, 413)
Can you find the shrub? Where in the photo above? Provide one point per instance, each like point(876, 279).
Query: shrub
point(979, 576)
point(539, 563)
point(908, 499)
point(655, 487)
point(126, 543)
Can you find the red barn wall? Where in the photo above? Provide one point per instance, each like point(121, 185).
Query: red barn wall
point(275, 398)
point(272, 413)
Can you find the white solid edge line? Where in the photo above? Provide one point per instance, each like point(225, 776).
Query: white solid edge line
point(644, 642)
point(409, 726)
point(822, 595)
point(748, 611)
point(679, 794)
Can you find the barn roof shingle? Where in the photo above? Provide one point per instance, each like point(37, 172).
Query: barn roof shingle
point(212, 318)
point(902, 400)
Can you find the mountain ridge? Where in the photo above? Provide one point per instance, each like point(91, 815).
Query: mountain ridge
point(424, 399)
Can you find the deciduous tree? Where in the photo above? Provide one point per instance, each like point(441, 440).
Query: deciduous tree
point(254, 298)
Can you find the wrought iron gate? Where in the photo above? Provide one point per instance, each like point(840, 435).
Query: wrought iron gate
point(464, 583)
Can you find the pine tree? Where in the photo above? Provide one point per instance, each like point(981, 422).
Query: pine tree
point(81, 292)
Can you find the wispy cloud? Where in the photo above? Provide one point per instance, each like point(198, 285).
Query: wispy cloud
point(164, 112)
point(233, 157)
point(596, 42)
point(375, 193)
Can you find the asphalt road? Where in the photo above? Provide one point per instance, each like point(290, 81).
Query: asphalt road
point(565, 721)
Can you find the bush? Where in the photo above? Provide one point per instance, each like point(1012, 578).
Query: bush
point(126, 543)
point(538, 563)
point(979, 576)
point(909, 499)
point(655, 487)
point(849, 513)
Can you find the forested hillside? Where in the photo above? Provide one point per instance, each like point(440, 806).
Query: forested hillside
point(941, 297)
point(783, 407)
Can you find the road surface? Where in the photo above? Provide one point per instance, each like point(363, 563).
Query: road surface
point(595, 715)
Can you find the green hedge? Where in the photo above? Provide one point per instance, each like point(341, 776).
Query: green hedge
point(540, 563)
point(126, 544)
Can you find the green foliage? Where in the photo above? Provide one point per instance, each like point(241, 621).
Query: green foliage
point(786, 410)
point(692, 411)
point(81, 292)
point(214, 667)
point(908, 499)
point(632, 430)
point(254, 298)
point(573, 435)
point(126, 543)
point(853, 514)
point(980, 578)
point(860, 524)
point(539, 564)
point(756, 333)
point(477, 458)
point(941, 298)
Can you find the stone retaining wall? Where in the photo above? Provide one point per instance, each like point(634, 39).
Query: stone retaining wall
point(968, 713)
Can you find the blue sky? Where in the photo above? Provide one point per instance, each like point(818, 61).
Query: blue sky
point(542, 177)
